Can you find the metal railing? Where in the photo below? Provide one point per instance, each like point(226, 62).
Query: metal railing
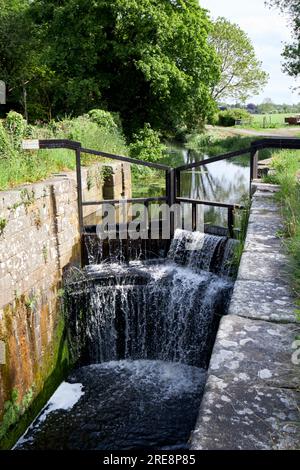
point(172, 175)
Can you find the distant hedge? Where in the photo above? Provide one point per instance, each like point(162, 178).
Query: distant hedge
point(230, 116)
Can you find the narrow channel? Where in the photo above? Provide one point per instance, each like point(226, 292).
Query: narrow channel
point(141, 333)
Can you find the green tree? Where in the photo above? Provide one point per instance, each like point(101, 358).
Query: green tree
point(20, 64)
point(267, 107)
point(291, 52)
point(149, 59)
point(241, 72)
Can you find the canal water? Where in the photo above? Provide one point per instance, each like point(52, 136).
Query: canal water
point(226, 181)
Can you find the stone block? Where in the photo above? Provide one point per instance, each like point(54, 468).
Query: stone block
point(262, 242)
point(263, 301)
point(268, 267)
point(264, 204)
point(265, 226)
point(255, 352)
point(234, 416)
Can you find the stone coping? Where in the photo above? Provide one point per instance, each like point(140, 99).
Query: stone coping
point(252, 396)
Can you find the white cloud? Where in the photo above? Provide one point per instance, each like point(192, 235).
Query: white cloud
point(268, 31)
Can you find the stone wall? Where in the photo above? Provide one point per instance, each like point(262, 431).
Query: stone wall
point(252, 400)
point(39, 237)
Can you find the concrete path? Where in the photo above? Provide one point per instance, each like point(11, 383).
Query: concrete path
point(252, 396)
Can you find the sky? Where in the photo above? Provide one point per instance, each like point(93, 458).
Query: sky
point(268, 30)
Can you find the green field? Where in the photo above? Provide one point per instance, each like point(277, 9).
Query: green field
point(269, 121)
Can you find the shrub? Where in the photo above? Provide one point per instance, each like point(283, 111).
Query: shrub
point(103, 119)
point(213, 119)
point(16, 126)
point(6, 149)
point(200, 141)
point(146, 145)
point(91, 135)
point(229, 117)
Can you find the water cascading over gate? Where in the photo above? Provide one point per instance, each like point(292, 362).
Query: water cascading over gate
point(141, 333)
point(165, 309)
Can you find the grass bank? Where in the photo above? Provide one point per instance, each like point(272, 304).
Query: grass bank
point(18, 167)
point(287, 174)
point(216, 142)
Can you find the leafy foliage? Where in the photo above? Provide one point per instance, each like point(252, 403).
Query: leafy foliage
point(18, 167)
point(229, 117)
point(146, 145)
point(142, 59)
point(16, 126)
point(103, 119)
point(6, 149)
point(241, 72)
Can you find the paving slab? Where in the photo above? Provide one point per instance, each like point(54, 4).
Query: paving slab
point(247, 417)
point(265, 226)
point(265, 266)
point(264, 203)
point(261, 187)
point(256, 352)
point(262, 243)
point(263, 301)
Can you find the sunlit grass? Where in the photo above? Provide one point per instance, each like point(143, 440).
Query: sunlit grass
point(287, 167)
point(31, 166)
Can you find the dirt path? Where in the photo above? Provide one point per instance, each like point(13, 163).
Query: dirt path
point(284, 132)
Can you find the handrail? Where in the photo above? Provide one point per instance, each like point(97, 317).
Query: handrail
point(121, 158)
point(209, 203)
point(172, 174)
point(277, 142)
point(124, 201)
point(224, 156)
point(59, 143)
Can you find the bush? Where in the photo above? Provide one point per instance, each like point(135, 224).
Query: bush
point(16, 126)
point(229, 117)
point(103, 119)
point(200, 141)
point(6, 149)
point(146, 145)
point(213, 119)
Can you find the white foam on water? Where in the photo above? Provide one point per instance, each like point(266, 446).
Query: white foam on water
point(64, 398)
point(171, 379)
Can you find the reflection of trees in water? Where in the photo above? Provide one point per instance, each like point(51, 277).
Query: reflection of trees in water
point(175, 156)
point(201, 183)
point(204, 183)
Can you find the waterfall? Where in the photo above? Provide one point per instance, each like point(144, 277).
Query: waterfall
point(167, 310)
point(199, 251)
point(142, 333)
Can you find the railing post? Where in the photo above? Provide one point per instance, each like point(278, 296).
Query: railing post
point(231, 221)
point(79, 190)
point(194, 217)
point(254, 162)
point(171, 197)
point(178, 189)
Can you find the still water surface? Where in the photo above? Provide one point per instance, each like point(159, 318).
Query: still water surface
point(225, 181)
